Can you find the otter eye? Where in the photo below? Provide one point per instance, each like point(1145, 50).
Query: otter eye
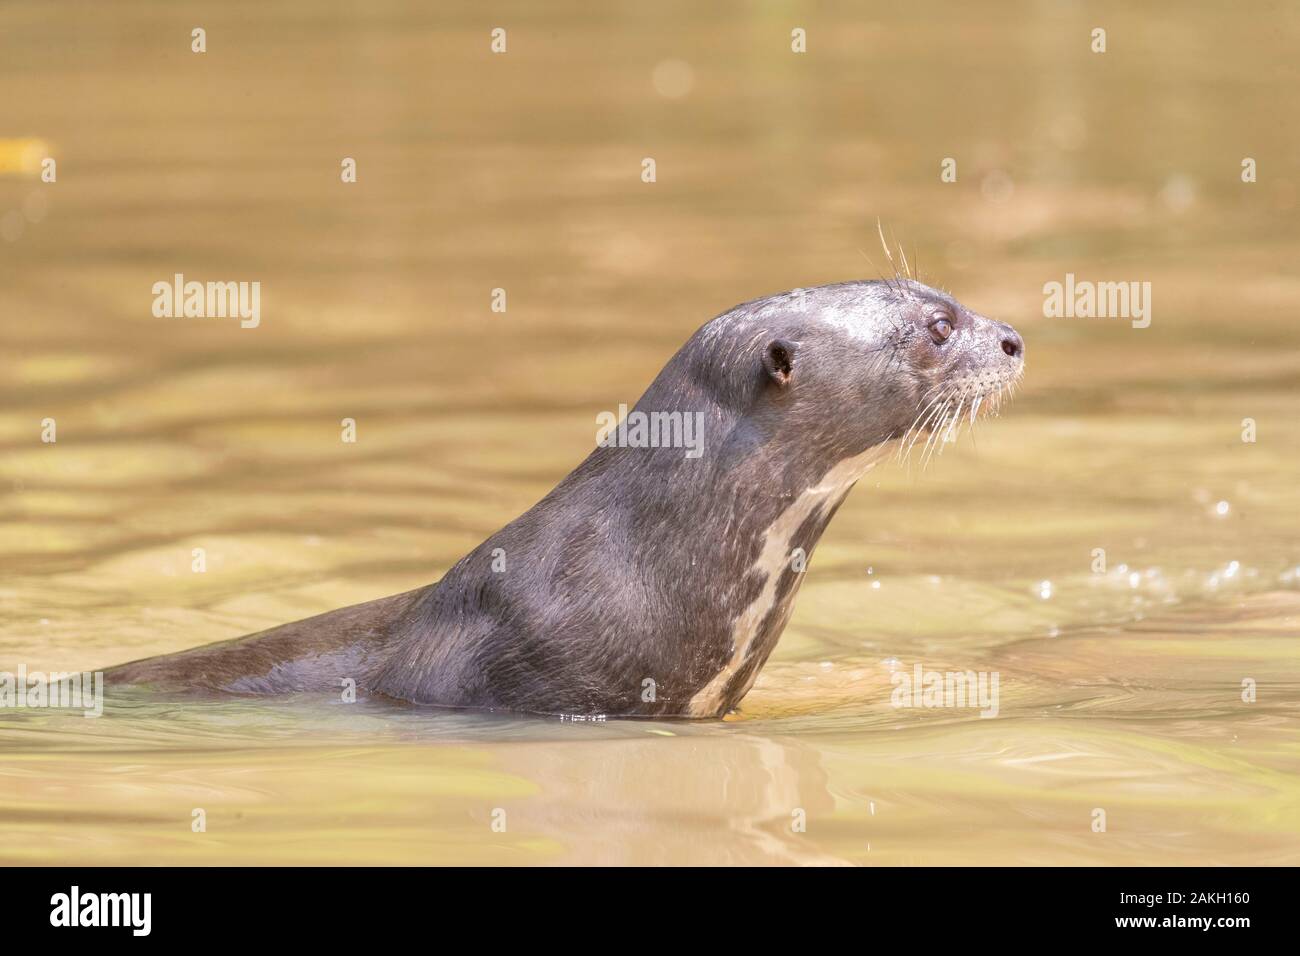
point(941, 329)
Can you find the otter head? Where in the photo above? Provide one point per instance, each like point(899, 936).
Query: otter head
point(853, 366)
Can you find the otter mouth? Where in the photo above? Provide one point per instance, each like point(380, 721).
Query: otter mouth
point(949, 406)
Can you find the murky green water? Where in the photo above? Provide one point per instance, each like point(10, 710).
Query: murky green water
point(1120, 691)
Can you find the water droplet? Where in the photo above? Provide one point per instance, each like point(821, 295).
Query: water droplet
point(1178, 193)
point(673, 79)
point(997, 186)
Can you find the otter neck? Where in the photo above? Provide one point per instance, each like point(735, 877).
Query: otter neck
point(741, 540)
point(783, 548)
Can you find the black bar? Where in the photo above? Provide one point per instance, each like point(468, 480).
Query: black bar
point(332, 905)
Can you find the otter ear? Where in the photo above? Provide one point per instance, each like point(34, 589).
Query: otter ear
point(778, 360)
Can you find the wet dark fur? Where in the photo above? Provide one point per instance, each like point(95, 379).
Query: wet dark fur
point(636, 566)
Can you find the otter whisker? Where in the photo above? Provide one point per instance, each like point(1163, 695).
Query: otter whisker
point(952, 427)
point(975, 406)
point(927, 428)
point(919, 429)
point(896, 285)
point(928, 449)
point(937, 392)
point(956, 422)
point(880, 230)
point(874, 268)
point(900, 454)
point(949, 428)
point(935, 408)
point(936, 430)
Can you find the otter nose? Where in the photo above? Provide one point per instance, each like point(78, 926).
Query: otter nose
point(1011, 342)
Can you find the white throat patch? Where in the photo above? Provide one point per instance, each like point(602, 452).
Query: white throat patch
point(772, 561)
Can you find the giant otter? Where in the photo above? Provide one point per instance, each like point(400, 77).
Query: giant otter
point(653, 582)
